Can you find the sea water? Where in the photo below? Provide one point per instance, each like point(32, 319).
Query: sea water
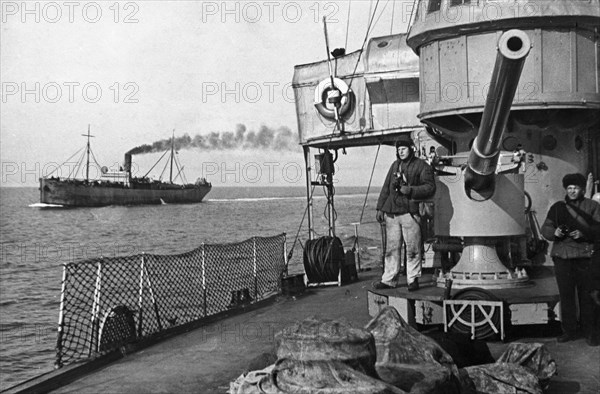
point(36, 241)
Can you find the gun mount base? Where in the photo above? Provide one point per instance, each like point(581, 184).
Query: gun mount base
point(480, 266)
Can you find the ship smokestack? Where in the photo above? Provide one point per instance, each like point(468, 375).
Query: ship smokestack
point(127, 164)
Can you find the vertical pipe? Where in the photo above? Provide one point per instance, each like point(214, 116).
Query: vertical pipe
point(501, 322)
point(308, 193)
point(330, 205)
point(61, 320)
point(445, 315)
point(472, 320)
point(357, 251)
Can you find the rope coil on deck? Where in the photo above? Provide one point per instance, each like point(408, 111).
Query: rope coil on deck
point(323, 258)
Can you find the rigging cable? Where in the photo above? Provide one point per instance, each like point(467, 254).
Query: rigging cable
point(179, 173)
point(66, 161)
point(362, 48)
point(179, 170)
point(163, 155)
point(94, 157)
point(329, 198)
point(412, 12)
point(75, 169)
point(163, 171)
point(291, 253)
point(185, 181)
point(379, 17)
point(392, 21)
point(367, 194)
point(348, 22)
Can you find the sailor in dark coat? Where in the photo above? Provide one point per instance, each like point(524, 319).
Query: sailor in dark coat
point(573, 226)
point(409, 180)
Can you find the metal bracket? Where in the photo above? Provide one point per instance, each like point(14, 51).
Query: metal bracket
point(456, 308)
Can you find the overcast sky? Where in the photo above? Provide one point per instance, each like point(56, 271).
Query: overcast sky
point(136, 71)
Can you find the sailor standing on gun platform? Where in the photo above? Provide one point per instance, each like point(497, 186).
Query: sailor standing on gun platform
point(409, 179)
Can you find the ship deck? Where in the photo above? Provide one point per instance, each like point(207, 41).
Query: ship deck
point(208, 358)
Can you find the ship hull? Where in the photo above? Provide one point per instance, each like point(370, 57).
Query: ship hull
point(71, 194)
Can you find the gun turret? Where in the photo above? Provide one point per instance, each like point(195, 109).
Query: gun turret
point(513, 48)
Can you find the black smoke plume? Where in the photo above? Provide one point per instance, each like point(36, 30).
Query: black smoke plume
point(281, 139)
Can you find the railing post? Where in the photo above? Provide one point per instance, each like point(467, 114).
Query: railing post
point(285, 260)
point(61, 320)
point(204, 279)
point(255, 270)
point(152, 298)
point(96, 310)
point(141, 297)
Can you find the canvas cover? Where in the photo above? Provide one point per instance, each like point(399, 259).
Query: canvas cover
point(388, 356)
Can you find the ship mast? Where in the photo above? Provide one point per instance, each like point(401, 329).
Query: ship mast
point(172, 156)
point(87, 167)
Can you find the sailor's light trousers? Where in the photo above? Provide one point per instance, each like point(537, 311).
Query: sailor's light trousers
point(402, 228)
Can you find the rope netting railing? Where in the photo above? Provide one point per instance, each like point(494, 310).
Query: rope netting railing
point(107, 303)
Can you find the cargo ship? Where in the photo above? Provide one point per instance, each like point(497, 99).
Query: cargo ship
point(120, 187)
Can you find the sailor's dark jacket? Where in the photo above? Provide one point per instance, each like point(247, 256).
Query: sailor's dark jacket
point(583, 215)
point(419, 177)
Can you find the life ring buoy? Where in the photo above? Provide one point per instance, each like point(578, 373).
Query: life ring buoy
point(327, 109)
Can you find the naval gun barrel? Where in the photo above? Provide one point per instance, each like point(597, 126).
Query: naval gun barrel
point(513, 48)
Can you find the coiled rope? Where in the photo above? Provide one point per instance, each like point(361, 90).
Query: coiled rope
point(323, 258)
